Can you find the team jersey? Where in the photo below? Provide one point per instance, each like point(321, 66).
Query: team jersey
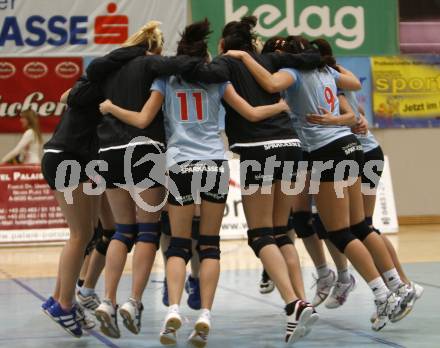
point(368, 141)
point(126, 79)
point(311, 90)
point(192, 113)
point(240, 131)
point(76, 131)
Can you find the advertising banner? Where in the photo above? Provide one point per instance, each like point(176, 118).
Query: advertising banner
point(406, 91)
point(82, 27)
point(35, 83)
point(361, 67)
point(353, 27)
point(28, 209)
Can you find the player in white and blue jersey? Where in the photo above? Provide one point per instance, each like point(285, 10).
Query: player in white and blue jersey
point(315, 94)
point(198, 172)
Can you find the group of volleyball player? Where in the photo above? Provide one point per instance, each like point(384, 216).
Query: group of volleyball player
point(158, 118)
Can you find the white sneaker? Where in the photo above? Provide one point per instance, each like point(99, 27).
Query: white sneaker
point(108, 317)
point(87, 302)
point(266, 285)
point(340, 293)
point(323, 287)
point(131, 312)
point(407, 295)
point(418, 289)
point(384, 310)
point(297, 322)
point(172, 323)
point(312, 320)
point(84, 321)
point(199, 336)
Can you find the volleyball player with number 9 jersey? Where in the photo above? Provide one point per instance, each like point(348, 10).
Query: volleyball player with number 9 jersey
point(339, 202)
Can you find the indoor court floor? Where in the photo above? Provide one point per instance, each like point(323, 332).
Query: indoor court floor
point(242, 317)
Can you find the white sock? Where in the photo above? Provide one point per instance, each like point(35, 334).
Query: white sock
point(343, 276)
point(379, 289)
point(206, 313)
point(173, 308)
point(322, 271)
point(86, 291)
point(392, 279)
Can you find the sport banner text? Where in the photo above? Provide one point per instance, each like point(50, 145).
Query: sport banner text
point(406, 91)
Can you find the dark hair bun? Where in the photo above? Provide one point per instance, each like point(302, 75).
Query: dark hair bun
point(193, 40)
point(198, 31)
point(251, 21)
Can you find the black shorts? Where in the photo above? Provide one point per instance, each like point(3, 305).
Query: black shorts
point(377, 168)
point(343, 149)
point(258, 166)
point(306, 158)
point(137, 175)
point(71, 176)
point(191, 181)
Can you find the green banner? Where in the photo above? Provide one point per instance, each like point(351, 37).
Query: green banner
point(353, 27)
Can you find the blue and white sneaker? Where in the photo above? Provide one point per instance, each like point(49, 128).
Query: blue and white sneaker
point(165, 300)
point(48, 303)
point(66, 319)
point(192, 287)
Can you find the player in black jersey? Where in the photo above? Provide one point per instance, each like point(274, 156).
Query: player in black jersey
point(260, 145)
point(125, 76)
point(85, 294)
point(64, 162)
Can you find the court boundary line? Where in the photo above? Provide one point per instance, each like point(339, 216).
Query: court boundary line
point(353, 331)
point(104, 340)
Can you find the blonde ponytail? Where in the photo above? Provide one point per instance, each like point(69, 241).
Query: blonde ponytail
point(149, 35)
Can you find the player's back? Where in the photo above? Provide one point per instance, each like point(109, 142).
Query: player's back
point(192, 113)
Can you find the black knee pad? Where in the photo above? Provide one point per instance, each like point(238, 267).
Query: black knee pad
point(281, 237)
point(93, 242)
point(104, 241)
point(319, 228)
point(361, 230)
point(258, 238)
point(126, 233)
point(213, 250)
point(341, 238)
point(165, 227)
point(195, 232)
point(149, 233)
point(180, 247)
point(302, 224)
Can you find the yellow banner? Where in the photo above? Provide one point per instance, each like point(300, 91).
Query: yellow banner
point(407, 88)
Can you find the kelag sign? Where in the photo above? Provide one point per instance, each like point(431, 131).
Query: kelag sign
point(354, 27)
